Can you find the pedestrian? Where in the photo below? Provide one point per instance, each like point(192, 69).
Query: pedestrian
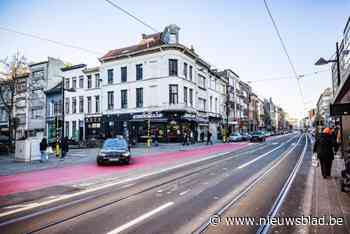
point(156, 137)
point(202, 137)
point(209, 138)
point(65, 147)
point(325, 146)
point(185, 138)
point(43, 148)
point(191, 137)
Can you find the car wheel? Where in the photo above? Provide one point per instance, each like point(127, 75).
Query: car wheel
point(127, 161)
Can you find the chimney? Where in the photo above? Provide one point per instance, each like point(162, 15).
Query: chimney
point(192, 48)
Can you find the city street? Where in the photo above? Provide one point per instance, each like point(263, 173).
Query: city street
point(177, 198)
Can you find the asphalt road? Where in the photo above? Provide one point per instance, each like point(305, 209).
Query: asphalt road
point(178, 200)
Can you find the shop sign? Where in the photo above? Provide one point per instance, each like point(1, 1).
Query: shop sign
point(187, 115)
point(340, 109)
point(148, 116)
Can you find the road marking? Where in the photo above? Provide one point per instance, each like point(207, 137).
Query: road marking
point(64, 197)
point(159, 191)
point(263, 155)
point(140, 218)
point(128, 185)
point(184, 192)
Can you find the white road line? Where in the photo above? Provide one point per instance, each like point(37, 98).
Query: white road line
point(263, 155)
point(184, 192)
point(128, 185)
point(140, 218)
point(64, 197)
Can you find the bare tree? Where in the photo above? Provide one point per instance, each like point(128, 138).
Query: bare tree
point(12, 68)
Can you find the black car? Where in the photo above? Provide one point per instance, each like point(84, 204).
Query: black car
point(114, 150)
point(258, 137)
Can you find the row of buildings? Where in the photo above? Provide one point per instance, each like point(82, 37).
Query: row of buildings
point(156, 86)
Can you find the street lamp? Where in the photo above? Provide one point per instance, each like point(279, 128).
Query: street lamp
point(63, 111)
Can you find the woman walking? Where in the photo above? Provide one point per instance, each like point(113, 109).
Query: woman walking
point(325, 147)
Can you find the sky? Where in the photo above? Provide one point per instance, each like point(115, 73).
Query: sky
point(235, 34)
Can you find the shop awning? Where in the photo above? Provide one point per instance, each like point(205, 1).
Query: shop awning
point(160, 120)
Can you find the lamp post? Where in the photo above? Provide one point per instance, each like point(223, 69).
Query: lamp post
point(63, 113)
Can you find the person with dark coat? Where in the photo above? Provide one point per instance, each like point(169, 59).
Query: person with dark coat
point(209, 134)
point(43, 147)
point(202, 137)
point(324, 147)
point(65, 147)
point(185, 137)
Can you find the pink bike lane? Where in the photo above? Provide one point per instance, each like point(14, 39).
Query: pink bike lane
point(29, 181)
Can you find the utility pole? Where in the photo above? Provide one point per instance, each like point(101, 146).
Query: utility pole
point(227, 110)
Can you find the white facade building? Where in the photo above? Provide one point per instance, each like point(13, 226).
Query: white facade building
point(158, 87)
point(82, 100)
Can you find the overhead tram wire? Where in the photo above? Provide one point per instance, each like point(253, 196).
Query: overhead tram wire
point(132, 15)
point(285, 50)
point(288, 77)
point(50, 40)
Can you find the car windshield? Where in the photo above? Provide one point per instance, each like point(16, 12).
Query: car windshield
point(114, 144)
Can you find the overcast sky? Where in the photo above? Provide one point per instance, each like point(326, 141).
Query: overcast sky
point(236, 34)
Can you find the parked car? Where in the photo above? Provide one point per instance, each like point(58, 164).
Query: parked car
point(235, 137)
point(258, 136)
point(246, 136)
point(114, 150)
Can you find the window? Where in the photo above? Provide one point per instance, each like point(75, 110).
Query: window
point(81, 82)
point(124, 74)
point(139, 97)
point(67, 83)
point(201, 82)
point(139, 72)
point(74, 105)
point(185, 95)
point(81, 104)
point(185, 70)
point(191, 73)
point(172, 67)
point(191, 97)
point(201, 104)
point(74, 83)
point(110, 76)
point(97, 104)
point(89, 80)
point(66, 133)
point(124, 98)
point(216, 105)
point(74, 128)
point(211, 104)
point(173, 94)
point(57, 108)
point(110, 100)
point(89, 104)
point(97, 80)
point(67, 106)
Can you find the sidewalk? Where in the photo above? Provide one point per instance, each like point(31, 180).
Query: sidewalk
point(312, 195)
point(8, 166)
point(328, 200)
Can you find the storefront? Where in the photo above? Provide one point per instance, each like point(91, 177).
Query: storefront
point(93, 127)
point(116, 124)
point(166, 126)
